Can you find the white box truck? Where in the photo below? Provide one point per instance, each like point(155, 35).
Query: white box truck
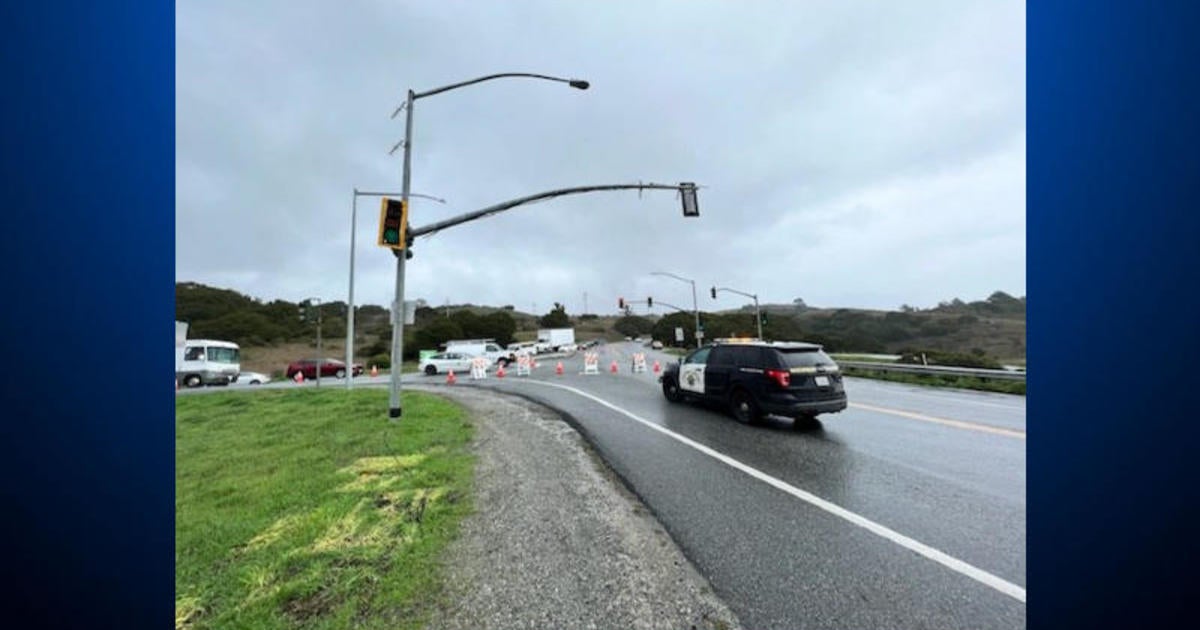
point(557, 338)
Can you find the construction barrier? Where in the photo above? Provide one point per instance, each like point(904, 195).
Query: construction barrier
point(478, 368)
point(639, 362)
point(591, 363)
point(523, 362)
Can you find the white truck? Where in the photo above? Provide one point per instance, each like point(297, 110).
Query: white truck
point(205, 361)
point(557, 338)
point(487, 348)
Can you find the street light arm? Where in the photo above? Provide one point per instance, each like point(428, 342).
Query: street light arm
point(575, 83)
point(663, 273)
point(550, 194)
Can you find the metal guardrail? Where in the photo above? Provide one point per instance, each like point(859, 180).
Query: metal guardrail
point(935, 370)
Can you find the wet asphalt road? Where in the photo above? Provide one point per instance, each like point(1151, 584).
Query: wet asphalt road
point(946, 468)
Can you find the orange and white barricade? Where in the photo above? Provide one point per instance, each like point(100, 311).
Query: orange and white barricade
point(639, 362)
point(523, 362)
point(478, 368)
point(591, 363)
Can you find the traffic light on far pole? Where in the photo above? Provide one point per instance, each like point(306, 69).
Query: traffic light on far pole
point(649, 302)
point(714, 292)
point(393, 223)
point(621, 303)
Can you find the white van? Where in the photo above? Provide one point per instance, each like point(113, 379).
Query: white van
point(522, 347)
point(208, 362)
point(486, 348)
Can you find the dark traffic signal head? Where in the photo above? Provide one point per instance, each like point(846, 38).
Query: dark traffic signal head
point(393, 223)
point(621, 303)
point(714, 292)
point(649, 302)
point(690, 207)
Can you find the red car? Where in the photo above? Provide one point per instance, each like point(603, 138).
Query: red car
point(329, 367)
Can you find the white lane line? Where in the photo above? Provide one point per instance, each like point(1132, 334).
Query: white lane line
point(954, 564)
point(958, 424)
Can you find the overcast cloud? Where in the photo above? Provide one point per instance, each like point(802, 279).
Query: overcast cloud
point(852, 154)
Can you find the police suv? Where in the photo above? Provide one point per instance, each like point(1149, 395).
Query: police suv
point(754, 378)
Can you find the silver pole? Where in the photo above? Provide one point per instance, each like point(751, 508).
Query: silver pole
point(320, 353)
point(696, 310)
point(350, 299)
point(394, 408)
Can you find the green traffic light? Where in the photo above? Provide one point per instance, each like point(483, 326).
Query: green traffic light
point(391, 236)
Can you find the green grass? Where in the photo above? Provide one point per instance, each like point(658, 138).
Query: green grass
point(956, 382)
point(308, 508)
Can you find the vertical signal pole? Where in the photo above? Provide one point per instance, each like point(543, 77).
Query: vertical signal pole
point(394, 408)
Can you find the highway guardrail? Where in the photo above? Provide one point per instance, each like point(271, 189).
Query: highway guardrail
point(935, 370)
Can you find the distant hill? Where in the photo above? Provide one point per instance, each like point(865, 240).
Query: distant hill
point(994, 327)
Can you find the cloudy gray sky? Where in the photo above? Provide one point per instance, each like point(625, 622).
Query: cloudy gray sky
point(852, 154)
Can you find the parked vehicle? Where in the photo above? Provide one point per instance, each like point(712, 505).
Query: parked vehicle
point(522, 347)
point(443, 362)
point(253, 378)
point(207, 362)
point(656, 345)
point(329, 367)
point(480, 348)
point(556, 338)
point(754, 378)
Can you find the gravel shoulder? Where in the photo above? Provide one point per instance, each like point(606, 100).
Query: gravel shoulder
point(556, 541)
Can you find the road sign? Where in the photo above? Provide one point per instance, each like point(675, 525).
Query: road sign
point(679, 334)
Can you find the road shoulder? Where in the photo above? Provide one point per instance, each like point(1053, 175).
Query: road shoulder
point(556, 540)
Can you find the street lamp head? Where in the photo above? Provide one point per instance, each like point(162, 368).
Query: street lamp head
point(578, 84)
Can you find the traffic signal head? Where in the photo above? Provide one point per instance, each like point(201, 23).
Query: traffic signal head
point(621, 303)
point(393, 223)
point(688, 192)
point(650, 302)
point(714, 292)
point(763, 318)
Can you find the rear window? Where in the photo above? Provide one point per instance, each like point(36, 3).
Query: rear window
point(805, 358)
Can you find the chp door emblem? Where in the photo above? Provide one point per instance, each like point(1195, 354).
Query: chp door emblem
point(690, 377)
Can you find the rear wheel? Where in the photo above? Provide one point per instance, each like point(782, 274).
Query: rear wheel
point(341, 373)
point(431, 370)
point(671, 390)
point(192, 380)
point(744, 409)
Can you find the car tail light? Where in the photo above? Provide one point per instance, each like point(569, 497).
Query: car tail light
point(783, 377)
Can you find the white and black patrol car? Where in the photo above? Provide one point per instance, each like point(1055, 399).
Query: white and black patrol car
point(754, 378)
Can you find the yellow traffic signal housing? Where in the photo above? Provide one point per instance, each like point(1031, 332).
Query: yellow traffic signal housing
point(393, 223)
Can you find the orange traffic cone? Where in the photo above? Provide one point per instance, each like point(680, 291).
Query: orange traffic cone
point(299, 378)
point(374, 370)
point(558, 369)
point(613, 368)
point(500, 372)
point(657, 367)
point(450, 378)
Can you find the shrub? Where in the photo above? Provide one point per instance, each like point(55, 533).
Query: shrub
point(382, 361)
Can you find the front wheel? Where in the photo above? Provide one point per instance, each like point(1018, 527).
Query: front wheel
point(192, 380)
point(671, 390)
point(430, 370)
point(340, 373)
point(744, 409)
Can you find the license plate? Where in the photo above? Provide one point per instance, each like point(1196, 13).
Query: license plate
point(821, 381)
